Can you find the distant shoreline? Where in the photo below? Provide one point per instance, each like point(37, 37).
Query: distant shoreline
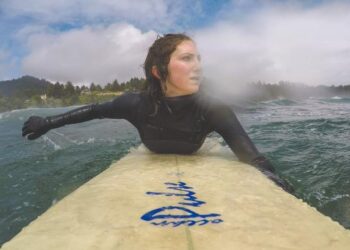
point(29, 91)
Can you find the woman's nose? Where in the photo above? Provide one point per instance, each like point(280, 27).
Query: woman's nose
point(198, 66)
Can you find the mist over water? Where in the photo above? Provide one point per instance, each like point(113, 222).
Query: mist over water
point(307, 141)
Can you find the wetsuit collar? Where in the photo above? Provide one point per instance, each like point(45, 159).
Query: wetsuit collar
point(180, 97)
point(177, 103)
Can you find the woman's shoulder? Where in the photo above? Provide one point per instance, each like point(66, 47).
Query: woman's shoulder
point(211, 101)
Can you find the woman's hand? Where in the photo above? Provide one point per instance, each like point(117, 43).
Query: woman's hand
point(279, 182)
point(35, 127)
point(267, 169)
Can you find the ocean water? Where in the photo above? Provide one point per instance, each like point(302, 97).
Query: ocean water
point(308, 141)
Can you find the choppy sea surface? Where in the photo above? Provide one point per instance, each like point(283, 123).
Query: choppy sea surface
point(308, 142)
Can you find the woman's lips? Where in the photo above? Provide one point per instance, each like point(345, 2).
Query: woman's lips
point(196, 80)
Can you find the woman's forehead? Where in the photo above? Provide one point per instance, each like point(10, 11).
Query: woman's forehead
point(186, 47)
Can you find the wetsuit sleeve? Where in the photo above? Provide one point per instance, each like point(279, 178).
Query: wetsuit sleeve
point(225, 122)
point(122, 107)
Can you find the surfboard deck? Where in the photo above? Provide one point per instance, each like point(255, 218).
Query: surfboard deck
point(203, 201)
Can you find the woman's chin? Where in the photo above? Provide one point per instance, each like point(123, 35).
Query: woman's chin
point(194, 87)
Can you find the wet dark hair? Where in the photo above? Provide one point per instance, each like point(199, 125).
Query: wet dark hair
point(159, 55)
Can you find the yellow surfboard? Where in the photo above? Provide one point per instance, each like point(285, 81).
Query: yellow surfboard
point(203, 201)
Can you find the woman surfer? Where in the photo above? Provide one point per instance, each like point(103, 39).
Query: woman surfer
point(171, 114)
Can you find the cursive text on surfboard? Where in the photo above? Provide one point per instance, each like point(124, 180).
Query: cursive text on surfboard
point(183, 212)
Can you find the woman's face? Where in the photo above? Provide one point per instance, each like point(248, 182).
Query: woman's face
point(184, 70)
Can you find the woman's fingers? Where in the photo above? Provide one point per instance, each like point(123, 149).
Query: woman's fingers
point(29, 120)
point(25, 126)
point(26, 130)
point(33, 136)
point(28, 126)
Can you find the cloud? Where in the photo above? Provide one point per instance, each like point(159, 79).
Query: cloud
point(91, 54)
point(7, 64)
point(251, 41)
point(41, 21)
point(284, 42)
point(150, 14)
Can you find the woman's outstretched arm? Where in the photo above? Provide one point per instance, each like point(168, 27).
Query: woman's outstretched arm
point(122, 107)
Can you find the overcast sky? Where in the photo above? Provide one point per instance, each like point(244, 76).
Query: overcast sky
point(240, 41)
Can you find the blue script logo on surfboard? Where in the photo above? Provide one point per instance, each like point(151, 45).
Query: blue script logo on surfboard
point(183, 213)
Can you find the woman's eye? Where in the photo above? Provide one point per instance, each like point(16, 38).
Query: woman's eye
point(187, 58)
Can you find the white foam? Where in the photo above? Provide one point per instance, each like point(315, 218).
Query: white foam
point(4, 115)
point(336, 98)
point(54, 201)
point(91, 140)
point(66, 138)
point(339, 196)
point(56, 146)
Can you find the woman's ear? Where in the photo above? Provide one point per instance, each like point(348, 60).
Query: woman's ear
point(155, 72)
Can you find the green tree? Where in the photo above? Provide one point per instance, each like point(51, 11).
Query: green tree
point(108, 87)
point(69, 89)
point(58, 90)
point(115, 86)
point(98, 88)
point(92, 87)
point(77, 90)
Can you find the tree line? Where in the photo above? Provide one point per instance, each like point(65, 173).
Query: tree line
point(67, 94)
point(59, 94)
point(59, 90)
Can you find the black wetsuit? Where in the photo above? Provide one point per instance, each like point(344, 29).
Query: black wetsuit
point(178, 124)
